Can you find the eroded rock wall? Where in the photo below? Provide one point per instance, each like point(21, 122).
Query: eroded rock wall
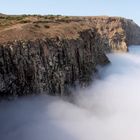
point(132, 32)
point(49, 65)
point(117, 32)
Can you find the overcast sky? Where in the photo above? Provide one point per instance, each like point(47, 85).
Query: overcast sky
point(124, 8)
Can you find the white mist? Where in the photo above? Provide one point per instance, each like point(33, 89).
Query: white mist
point(108, 110)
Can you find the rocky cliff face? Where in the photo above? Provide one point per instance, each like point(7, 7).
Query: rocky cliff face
point(118, 33)
point(38, 55)
point(49, 65)
point(132, 32)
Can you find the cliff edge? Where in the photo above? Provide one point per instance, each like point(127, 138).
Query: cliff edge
point(53, 53)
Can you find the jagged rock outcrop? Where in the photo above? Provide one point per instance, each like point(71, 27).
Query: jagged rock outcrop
point(118, 33)
point(52, 54)
point(50, 65)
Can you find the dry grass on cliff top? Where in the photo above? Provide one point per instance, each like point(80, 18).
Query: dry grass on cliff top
point(30, 27)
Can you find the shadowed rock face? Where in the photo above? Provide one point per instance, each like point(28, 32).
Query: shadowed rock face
point(50, 65)
point(132, 31)
point(63, 56)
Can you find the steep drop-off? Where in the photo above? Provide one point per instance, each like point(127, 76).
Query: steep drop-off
point(50, 65)
point(52, 54)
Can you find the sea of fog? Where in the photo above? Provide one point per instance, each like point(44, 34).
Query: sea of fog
point(108, 110)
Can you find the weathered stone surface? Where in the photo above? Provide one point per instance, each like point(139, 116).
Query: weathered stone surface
point(116, 32)
point(50, 65)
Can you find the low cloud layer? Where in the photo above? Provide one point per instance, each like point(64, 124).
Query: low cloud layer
point(108, 110)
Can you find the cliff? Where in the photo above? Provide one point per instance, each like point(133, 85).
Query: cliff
point(51, 65)
point(51, 54)
point(116, 32)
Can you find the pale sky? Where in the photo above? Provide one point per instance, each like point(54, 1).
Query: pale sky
point(124, 8)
